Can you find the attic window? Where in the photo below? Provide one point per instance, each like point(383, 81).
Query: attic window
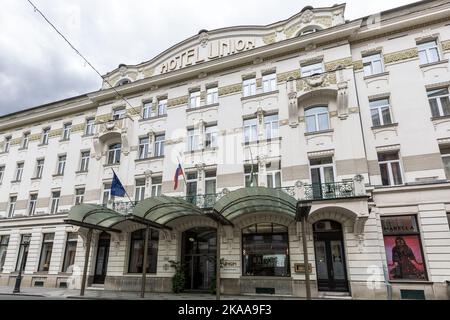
point(123, 82)
point(308, 30)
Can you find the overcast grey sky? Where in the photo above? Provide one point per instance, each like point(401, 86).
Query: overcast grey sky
point(37, 66)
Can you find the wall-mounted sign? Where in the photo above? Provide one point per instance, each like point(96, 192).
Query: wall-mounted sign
point(300, 268)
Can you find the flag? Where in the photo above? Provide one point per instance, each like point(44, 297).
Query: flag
point(117, 188)
point(178, 172)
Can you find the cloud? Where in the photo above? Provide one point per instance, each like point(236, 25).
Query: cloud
point(37, 66)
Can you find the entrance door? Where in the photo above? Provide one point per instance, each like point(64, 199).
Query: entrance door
point(330, 257)
point(199, 258)
point(101, 263)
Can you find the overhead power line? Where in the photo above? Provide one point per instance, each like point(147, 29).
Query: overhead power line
point(36, 9)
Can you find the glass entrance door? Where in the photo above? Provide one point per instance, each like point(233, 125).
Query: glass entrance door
point(330, 258)
point(199, 258)
point(101, 263)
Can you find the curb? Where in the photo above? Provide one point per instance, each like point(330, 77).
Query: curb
point(22, 294)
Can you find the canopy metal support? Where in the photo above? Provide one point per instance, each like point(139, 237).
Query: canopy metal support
point(218, 261)
point(144, 266)
point(86, 261)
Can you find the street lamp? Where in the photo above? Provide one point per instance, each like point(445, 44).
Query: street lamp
point(25, 243)
point(303, 209)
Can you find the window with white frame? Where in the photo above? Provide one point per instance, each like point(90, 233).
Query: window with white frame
point(273, 170)
point(89, 130)
point(193, 139)
point(191, 186)
point(147, 110)
point(45, 136)
point(162, 107)
point(106, 193)
point(194, 99)
point(428, 52)
point(269, 82)
point(84, 161)
point(139, 191)
point(210, 182)
point(12, 206)
point(380, 111)
point(25, 140)
point(373, 64)
point(79, 195)
point(39, 168)
point(61, 165)
point(250, 130)
point(249, 87)
point(54, 204)
point(66, 131)
point(114, 151)
point(211, 137)
point(271, 126)
point(311, 69)
point(70, 252)
point(156, 186)
point(439, 100)
point(251, 175)
point(2, 173)
point(143, 147)
point(390, 167)
point(19, 171)
point(317, 119)
point(159, 145)
point(7, 144)
point(32, 204)
point(119, 113)
point(322, 170)
point(212, 95)
point(445, 153)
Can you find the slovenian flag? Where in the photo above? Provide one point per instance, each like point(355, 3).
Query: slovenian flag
point(178, 172)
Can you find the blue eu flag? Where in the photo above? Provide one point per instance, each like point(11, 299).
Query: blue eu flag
point(117, 188)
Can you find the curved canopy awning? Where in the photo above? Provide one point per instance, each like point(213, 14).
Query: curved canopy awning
point(95, 217)
point(255, 199)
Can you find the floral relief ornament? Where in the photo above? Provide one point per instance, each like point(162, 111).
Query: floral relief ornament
point(307, 16)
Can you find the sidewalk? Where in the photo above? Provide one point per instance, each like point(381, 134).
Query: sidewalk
point(56, 293)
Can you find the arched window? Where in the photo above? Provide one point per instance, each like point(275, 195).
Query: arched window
point(123, 82)
point(317, 119)
point(308, 30)
point(136, 262)
point(114, 153)
point(265, 250)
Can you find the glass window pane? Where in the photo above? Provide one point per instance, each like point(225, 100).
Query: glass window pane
point(311, 124)
point(384, 174)
point(434, 108)
point(446, 161)
point(396, 173)
point(323, 121)
point(423, 57)
point(445, 103)
point(434, 55)
point(386, 113)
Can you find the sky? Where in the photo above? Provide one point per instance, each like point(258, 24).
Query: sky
point(38, 67)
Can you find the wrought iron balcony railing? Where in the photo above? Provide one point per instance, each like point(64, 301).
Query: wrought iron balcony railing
point(333, 190)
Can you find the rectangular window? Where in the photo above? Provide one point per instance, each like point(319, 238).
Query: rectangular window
point(61, 165)
point(322, 177)
point(191, 187)
point(373, 64)
point(70, 252)
point(32, 204)
point(90, 123)
point(19, 172)
point(136, 262)
point(147, 110)
point(84, 163)
point(119, 113)
point(211, 137)
point(380, 111)
point(194, 99)
point(273, 175)
point(45, 136)
point(269, 82)
point(193, 139)
point(210, 185)
point(25, 140)
point(46, 252)
point(114, 153)
point(23, 251)
point(4, 241)
point(106, 194)
point(12, 206)
point(55, 202)
point(391, 172)
point(271, 126)
point(249, 87)
point(162, 107)
point(2, 173)
point(139, 193)
point(428, 52)
point(445, 153)
point(403, 248)
point(439, 100)
point(7, 144)
point(251, 175)
point(143, 148)
point(312, 69)
point(39, 168)
point(317, 119)
point(79, 196)
point(156, 186)
point(66, 131)
point(159, 145)
point(250, 130)
point(212, 95)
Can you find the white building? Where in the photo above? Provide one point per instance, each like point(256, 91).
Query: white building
point(350, 115)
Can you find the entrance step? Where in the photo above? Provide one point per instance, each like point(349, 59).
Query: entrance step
point(335, 295)
point(98, 287)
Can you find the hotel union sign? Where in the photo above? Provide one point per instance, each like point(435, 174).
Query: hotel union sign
point(211, 50)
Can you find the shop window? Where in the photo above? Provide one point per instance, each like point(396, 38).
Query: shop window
point(70, 252)
point(137, 251)
point(46, 252)
point(23, 251)
point(403, 248)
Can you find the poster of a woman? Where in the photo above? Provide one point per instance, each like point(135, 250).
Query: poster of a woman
point(404, 255)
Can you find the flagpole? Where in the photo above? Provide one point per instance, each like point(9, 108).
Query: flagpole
point(182, 171)
point(252, 171)
point(129, 198)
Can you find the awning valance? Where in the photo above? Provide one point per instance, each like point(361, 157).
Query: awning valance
point(256, 199)
point(94, 216)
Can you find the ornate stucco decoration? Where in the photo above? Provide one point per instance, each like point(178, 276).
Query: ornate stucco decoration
point(178, 101)
point(234, 88)
point(271, 38)
point(307, 17)
point(293, 109)
point(342, 100)
point(337, 64)
point(445, 45)
point(315, 81)
point(203, 39)
point(401, 55)
point(282, 77)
